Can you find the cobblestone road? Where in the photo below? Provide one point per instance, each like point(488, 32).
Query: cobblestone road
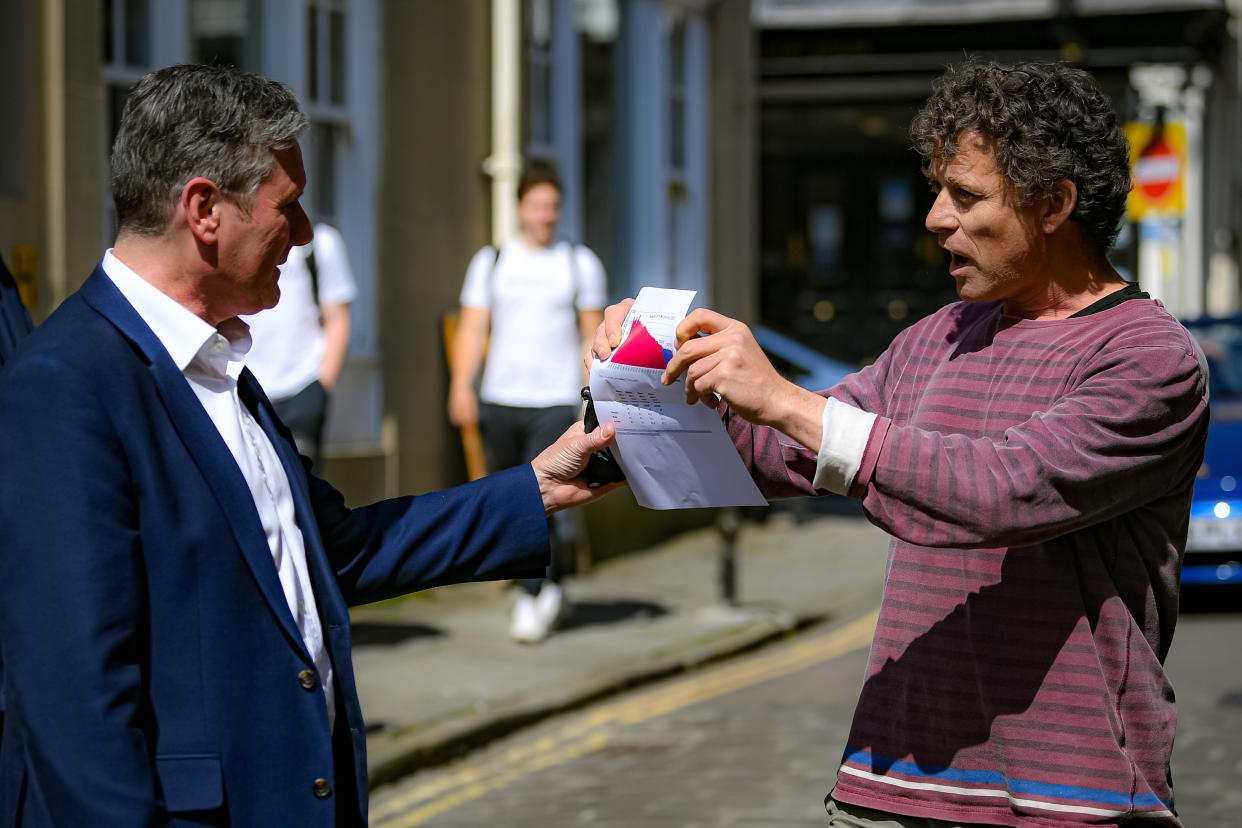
point(754, 742)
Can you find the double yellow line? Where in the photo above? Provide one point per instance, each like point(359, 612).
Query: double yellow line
point(593, 731)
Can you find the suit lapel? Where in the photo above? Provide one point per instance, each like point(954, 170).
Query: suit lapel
point(333, 611)
point(203, 441)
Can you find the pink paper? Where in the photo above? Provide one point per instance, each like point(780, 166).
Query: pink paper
point(640, 348)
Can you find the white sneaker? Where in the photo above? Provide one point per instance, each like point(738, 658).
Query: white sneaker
point(550, 604)
point(527, 626)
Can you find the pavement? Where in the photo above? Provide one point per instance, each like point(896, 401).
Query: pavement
point(438, 674)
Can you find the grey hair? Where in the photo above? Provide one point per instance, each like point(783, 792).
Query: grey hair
point(186, 121)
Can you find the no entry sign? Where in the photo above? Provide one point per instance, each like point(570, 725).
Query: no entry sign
point(1157, 159)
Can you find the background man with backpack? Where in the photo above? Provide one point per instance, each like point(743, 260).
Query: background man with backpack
point(541, 301)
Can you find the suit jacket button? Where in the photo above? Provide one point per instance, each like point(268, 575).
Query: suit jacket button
point(308, 679)
point(322, 789)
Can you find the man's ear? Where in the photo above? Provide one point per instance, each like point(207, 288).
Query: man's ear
point(1060, 205)
point(200, 204)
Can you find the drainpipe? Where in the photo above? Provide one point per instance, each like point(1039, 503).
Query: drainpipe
point(54, 144)
point(1192, 264)
point(504, 165)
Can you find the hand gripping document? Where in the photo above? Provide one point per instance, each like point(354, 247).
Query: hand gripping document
point(602, 467)
point(675, 456)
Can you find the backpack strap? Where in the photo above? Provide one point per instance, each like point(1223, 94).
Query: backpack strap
point(491, 278)
point(313, 268)
point(575, 274)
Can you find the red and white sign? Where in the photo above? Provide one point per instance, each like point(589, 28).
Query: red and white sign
point(1159, 168)
point(1157, 159)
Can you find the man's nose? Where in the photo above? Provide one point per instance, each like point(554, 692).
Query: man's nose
point(301, 232)
point(940, 217)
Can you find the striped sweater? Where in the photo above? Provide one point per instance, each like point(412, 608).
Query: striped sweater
point(1035, 477)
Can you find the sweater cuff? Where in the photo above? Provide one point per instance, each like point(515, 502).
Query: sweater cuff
point(846, 431)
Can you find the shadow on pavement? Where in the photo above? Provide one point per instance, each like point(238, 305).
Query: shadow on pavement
point(586, 613)
point(364, 633)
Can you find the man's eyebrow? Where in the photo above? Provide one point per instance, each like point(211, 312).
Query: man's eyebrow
point(942, 178)
point(976, 185)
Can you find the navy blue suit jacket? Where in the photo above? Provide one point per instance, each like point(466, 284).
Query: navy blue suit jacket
point(151, 662)
point(14, 324)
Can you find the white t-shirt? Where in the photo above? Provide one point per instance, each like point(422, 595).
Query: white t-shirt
point(534, 358)
point(288, 339)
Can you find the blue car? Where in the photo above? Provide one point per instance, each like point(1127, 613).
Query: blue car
point(1214, 542)
point(813, 371)
point(799, 363)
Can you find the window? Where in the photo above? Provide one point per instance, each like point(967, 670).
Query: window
point(326, 104)
point(13, 97)
point(127, 33)
point(126, 58)
point(225, 32)
point(676, 92)
point(539, 67)
point(126, 52)
point(325, 53)
point(597, 25)
point(680, 221)
point(324, 203)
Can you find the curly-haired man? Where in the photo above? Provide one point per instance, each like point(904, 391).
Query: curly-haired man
point(1031, 450)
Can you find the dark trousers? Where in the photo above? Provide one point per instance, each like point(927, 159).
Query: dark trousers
point(513, 435)
point(304, 414)
point(842, 815)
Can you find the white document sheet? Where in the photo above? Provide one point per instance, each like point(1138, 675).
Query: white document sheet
point(675, 456)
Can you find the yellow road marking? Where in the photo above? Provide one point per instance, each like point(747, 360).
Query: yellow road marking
point(596, 729)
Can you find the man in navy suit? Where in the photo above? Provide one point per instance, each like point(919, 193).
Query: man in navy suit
point(173, 582)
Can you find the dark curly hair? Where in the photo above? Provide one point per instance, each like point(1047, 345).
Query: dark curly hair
point(1048, 121)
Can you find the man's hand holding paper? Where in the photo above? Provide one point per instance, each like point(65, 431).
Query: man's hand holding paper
point(608, 334)
point(559, 467)
point(675, 454)
point(722, 361)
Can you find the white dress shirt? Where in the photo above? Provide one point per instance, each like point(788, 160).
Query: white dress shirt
point(211, 360)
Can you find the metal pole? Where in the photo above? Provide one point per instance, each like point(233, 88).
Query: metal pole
point(728, 523)
point(1192, 269)
point(505, 163)
point(55, 173)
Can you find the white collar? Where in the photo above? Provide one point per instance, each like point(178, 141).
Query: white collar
point(182, 332)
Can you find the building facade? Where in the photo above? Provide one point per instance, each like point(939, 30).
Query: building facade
point(421, 114)
point(845, 262)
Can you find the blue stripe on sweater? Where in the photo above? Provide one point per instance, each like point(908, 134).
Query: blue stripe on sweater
point(986, 777)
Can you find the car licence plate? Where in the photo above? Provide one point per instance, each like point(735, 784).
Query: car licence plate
point(1214, 534)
